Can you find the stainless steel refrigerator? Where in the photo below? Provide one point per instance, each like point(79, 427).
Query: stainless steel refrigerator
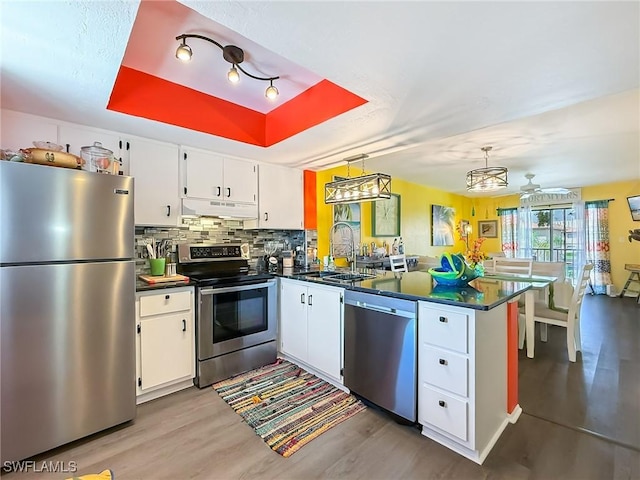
point(67, 296)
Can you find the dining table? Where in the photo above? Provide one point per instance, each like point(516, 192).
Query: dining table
point(538, 284)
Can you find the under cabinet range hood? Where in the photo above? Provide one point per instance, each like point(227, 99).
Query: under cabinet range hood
point(200, 207)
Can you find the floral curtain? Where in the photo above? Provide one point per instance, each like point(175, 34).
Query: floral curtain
point(597, 243)
point(509, 231)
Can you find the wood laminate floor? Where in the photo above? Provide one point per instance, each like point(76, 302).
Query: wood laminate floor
point(193, 434)
point(600, 392)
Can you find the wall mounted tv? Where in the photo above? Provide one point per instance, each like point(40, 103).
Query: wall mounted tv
point(634, 206)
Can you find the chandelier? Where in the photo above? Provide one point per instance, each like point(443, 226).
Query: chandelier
point(487, 179)
point(364, 188)
point(232, 54)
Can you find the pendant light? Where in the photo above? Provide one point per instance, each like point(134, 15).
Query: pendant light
point(487, 179)
point(364, 188)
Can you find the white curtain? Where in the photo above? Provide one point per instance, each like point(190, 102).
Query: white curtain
point(525, 233)
point(579, 257)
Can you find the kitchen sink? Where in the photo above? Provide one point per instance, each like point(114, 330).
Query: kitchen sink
point(317, 273)
point(338, 276)
point(349, 277)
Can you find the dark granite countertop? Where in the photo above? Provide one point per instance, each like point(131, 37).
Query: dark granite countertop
point(480, 294)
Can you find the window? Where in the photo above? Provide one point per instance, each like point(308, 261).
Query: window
point(554, 237)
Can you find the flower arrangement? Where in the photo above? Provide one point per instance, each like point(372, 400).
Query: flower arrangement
point(475, 256)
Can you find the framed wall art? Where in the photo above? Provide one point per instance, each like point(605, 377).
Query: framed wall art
point(442, 225)
point(488, 228)
point(634, 207)
point(385, 217)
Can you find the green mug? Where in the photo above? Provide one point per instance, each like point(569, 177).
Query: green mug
point(157, 266)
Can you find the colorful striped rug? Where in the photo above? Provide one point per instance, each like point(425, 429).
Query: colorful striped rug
point(287, 406)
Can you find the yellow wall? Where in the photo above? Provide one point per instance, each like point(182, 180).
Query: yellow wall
point(620, 222)
point(415, 220)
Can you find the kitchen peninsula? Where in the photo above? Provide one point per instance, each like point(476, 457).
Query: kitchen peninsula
point(456, 339)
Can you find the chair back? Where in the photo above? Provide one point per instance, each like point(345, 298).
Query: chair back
point(578, 293)
point(398, 263)
point(521, 266)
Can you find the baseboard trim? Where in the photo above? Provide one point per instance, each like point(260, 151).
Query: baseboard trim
point(515, 415)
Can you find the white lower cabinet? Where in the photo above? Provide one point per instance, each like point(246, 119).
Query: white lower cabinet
point(165, 342)
point(462, 377)
point(310, 327)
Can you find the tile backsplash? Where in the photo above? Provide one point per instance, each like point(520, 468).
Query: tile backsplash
point(217, 230)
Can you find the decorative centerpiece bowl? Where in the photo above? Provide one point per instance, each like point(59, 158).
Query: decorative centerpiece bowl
point(454, 271)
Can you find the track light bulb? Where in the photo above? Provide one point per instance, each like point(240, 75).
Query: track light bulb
point(233, 75)
point(183, 52)
point(271, 92)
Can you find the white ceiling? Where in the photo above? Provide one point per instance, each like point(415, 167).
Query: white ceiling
point(552, 86)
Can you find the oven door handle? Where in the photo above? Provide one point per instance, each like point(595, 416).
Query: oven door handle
point(239, 288)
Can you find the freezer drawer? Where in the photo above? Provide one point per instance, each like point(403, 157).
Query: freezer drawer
point(68, 355)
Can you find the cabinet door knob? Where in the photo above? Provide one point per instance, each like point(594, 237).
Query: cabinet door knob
point(266, 216)
point(184, 325)
point(219, 192)
point(302, 298)
point(168, 210)
point(310, 302)
point(442, 361)
point(228, 191)
point(443, 319)
point(442, 403)
point(167, 297)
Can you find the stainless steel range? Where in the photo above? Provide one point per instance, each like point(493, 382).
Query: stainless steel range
point(235, 311)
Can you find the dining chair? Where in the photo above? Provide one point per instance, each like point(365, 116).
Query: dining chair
point(398, 263)
point(520, 266)
point(567, 318)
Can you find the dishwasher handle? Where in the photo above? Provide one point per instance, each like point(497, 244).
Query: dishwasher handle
point(387, 310)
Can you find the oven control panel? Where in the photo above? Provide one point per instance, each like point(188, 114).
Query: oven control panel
point(200, 252)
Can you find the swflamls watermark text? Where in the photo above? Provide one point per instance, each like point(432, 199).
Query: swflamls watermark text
point(38, 467)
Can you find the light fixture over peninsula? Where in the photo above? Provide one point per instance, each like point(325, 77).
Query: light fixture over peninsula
point(487, 179)
point(365, 188)
point(232, 54)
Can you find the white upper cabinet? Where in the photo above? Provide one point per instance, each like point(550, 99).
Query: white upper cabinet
point(280, 198)
point(154, 165)
point(20, 130)
point(203, 174)
point(213, 177)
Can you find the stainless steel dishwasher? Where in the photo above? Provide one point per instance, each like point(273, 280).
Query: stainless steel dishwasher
point(380, 362)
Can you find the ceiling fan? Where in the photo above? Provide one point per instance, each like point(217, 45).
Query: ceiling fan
point(533, 188)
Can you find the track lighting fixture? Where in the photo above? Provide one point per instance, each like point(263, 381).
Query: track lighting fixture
point(232, 54)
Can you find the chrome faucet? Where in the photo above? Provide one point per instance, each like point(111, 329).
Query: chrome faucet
point(353, 243)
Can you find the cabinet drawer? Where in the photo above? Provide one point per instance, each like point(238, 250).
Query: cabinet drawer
point(443, 411)
point(444, 328)
point(165, 302)
point(444, 369)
